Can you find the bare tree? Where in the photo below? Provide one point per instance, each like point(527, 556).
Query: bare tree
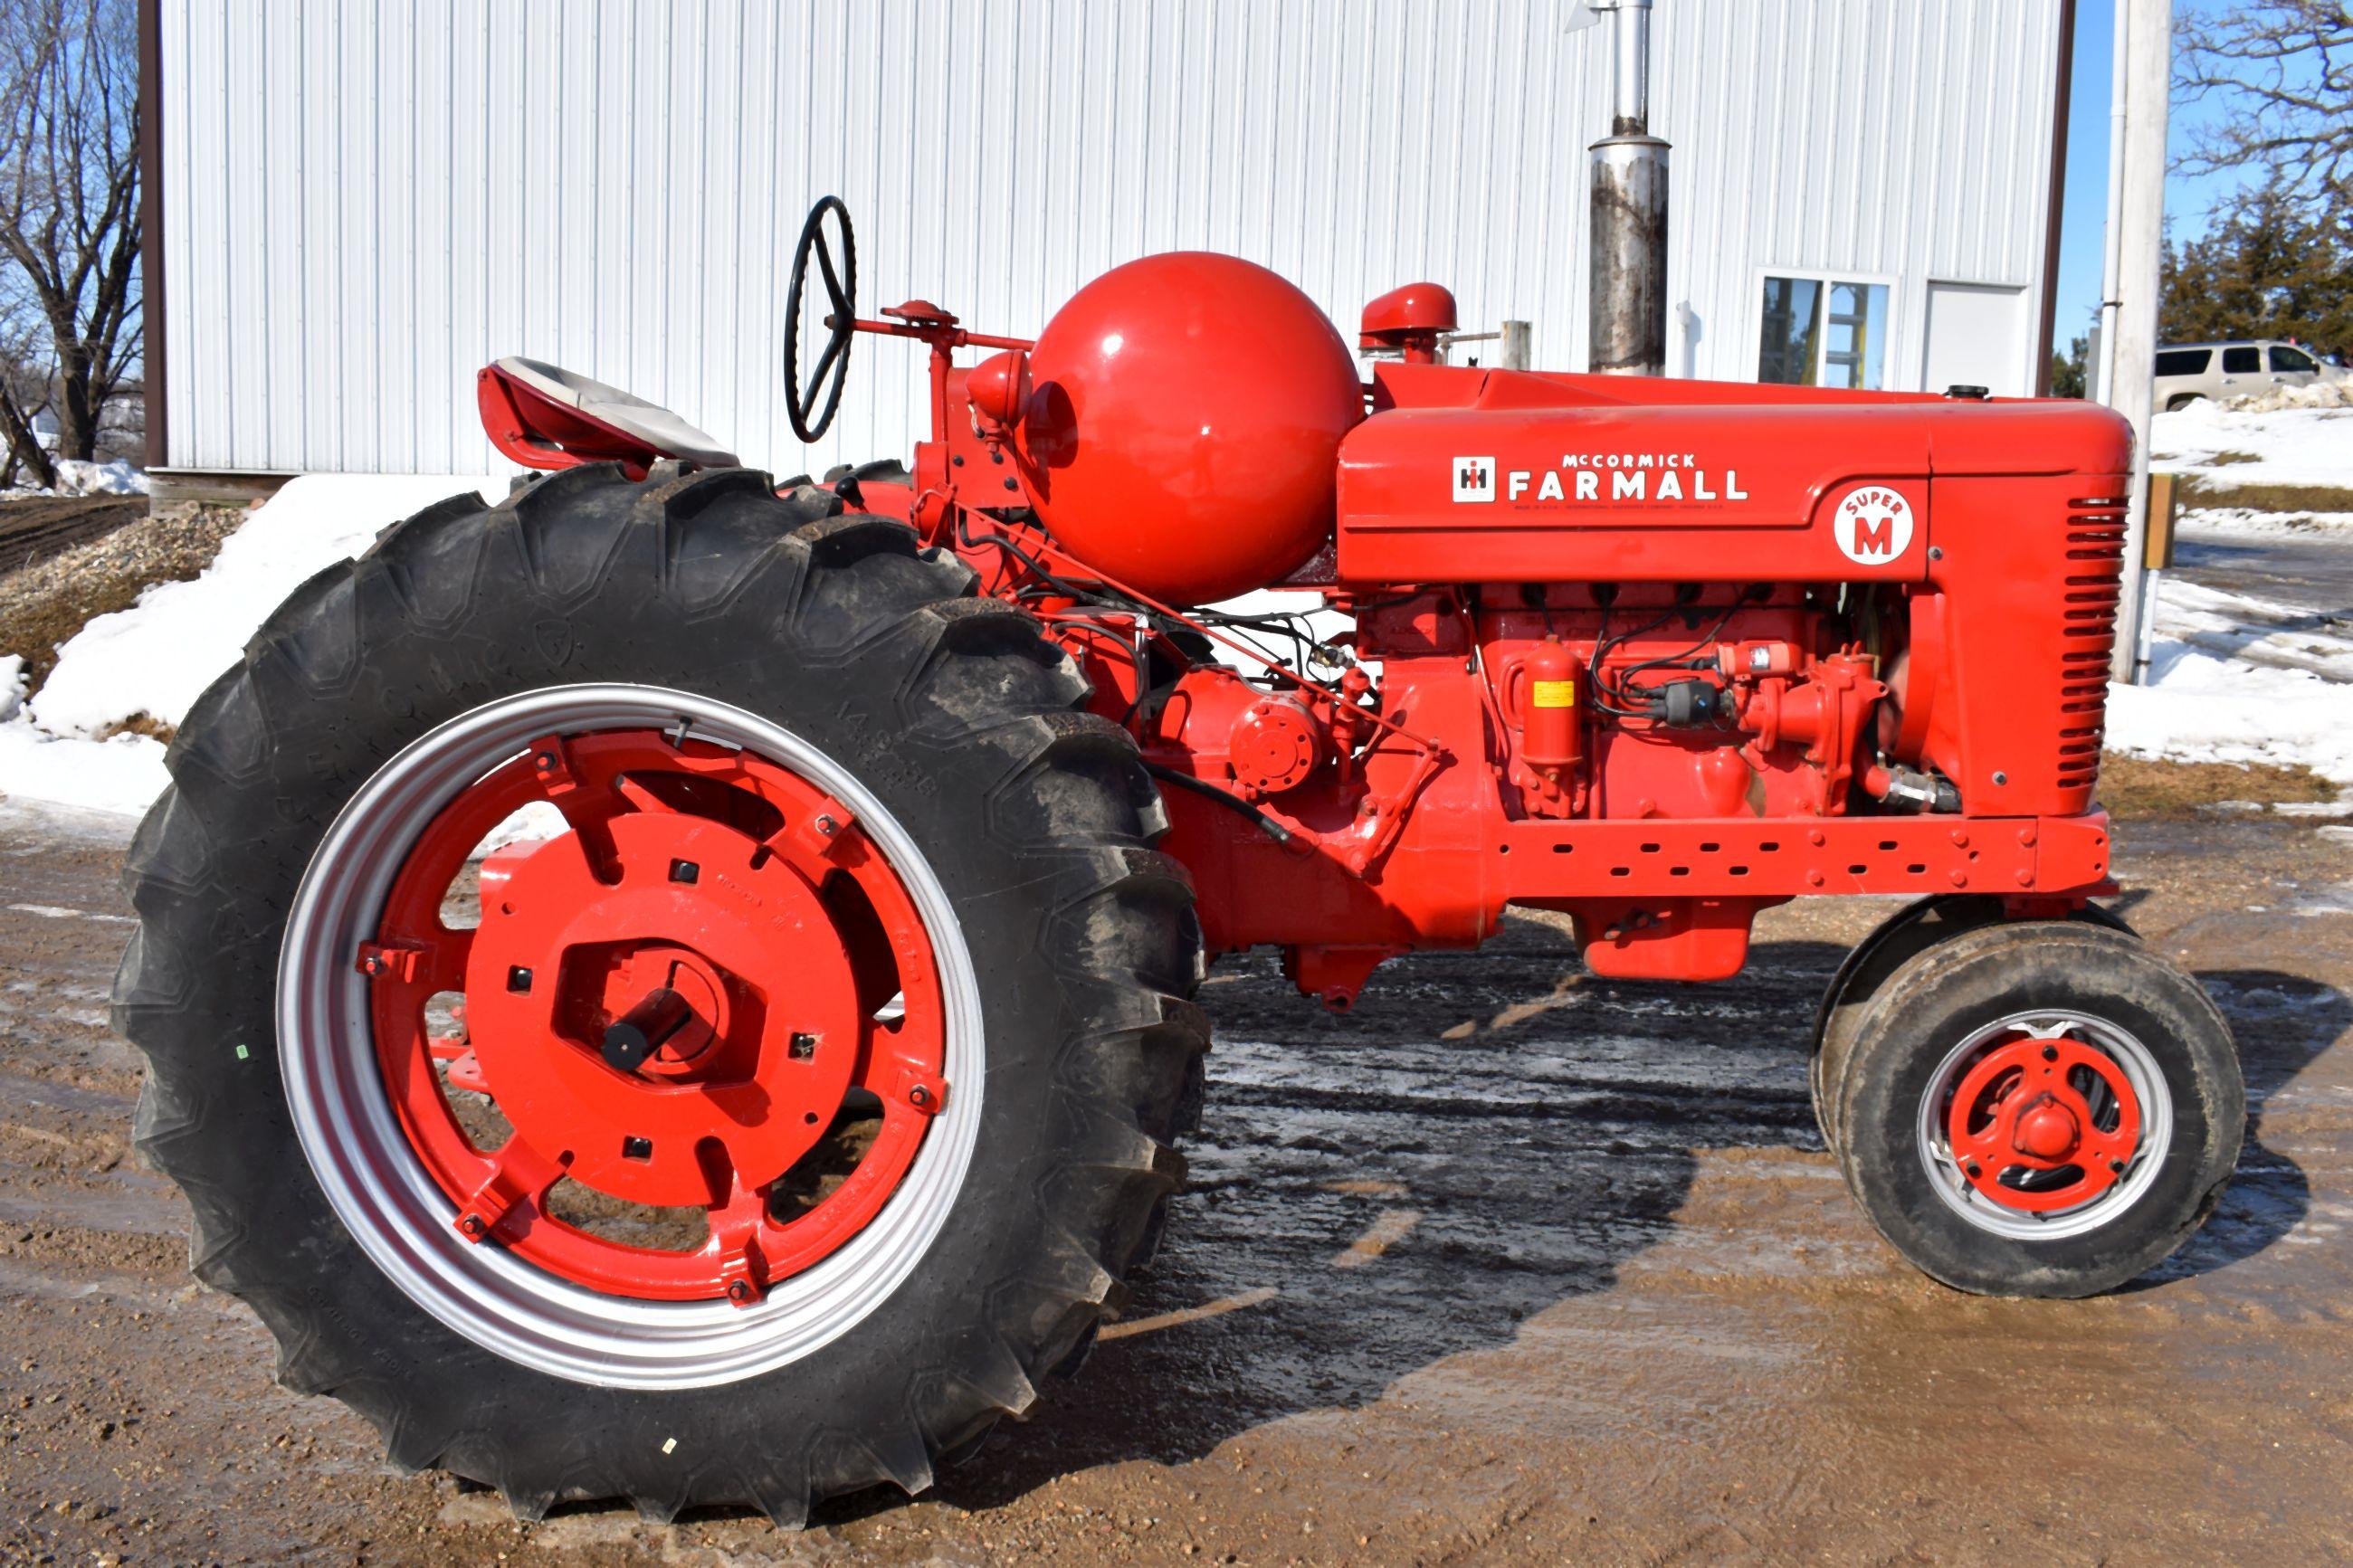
point(69, 226)
point(2283, 71)
point(28, 384)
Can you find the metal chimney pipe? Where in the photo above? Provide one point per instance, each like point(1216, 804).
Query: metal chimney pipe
point(1627, 314)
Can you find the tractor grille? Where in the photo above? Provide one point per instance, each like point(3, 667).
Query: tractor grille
point(2096, 554)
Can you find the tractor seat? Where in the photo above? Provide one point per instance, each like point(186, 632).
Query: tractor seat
point(637, 421)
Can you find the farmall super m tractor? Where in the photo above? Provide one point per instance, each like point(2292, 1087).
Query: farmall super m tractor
point(679, 987)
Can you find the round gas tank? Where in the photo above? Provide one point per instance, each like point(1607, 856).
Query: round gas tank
point(1183, 428)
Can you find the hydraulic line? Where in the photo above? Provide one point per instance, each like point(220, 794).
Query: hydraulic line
point(1227, 798)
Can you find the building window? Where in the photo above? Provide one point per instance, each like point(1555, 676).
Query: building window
point(1823, 332)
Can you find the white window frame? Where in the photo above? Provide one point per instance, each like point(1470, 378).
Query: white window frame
point(1826, 277)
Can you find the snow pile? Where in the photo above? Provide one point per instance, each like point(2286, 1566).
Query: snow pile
point(2199, 708)
point(76, 477)
point(2290, 444)
point(2236, 679)
point(119, 775)
point(2312, 395)
point(122, 775)
point(156, 658)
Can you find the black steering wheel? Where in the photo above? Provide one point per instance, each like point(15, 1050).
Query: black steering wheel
point(801, 396)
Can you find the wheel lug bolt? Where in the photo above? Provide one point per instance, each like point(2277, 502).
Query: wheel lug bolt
point(1975, 1170)
point(826, 825)
point(738, 1290)
point(2117, 1166)
point(684, 871)
point(472, 1225)
point(804, 1047)
point(2050, 1053)
point(519, 980)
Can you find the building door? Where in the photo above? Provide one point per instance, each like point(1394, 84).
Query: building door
point(1977, 337)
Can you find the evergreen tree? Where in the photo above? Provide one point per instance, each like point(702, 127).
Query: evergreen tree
point(2068, 373)
point(2268, 266)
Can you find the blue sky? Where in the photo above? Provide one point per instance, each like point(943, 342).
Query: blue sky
point(2083, 215)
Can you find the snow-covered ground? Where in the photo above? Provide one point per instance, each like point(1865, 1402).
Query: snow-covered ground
point(2292, 435)
point(156, 658)
point(2246, 523)
point(2240, 676)
point(2234, 679)
point(76, 477)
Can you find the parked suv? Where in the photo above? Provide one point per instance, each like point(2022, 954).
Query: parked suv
point(2186, 371)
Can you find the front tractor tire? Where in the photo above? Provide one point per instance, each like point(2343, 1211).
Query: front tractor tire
point(2044, 1108)
point(763, 1130)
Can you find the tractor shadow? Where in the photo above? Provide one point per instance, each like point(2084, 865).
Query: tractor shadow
point(1487, 1135)
point(1372, 1195)
point(2281, 1022)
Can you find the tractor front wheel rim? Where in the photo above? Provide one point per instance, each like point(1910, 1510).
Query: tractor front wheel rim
point(696, 896)
point(2044, 1125)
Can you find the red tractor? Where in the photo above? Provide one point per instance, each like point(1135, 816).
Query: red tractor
point(679, 987)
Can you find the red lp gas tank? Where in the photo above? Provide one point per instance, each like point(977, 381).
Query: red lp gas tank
point(1183, 426)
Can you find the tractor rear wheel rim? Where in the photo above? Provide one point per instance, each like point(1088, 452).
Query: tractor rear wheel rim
point(781, 1025)
point(2044, 1125)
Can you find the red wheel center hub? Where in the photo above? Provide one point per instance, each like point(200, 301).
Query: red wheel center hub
point(670, 1004)
point(695, 906)
point(2045, 1132)
point(2024, 1112)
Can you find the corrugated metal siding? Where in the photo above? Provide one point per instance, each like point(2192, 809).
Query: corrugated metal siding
point(365, 202)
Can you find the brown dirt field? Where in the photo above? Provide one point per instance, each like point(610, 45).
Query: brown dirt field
point(2136, 788)
point(44, 603)
point(34, 528)
point(2196, 492)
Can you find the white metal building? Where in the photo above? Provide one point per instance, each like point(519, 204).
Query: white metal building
point(362, 201)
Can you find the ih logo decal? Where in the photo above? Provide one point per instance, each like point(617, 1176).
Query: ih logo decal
point(1474, 479)
point(1872, 525)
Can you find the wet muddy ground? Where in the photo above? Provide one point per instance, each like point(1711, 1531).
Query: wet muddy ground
point(1512, 1264)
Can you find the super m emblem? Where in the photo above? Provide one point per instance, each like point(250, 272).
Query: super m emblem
point(1872, 525)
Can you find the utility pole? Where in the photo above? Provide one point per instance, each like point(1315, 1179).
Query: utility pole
point(1625, 318)
point(2144, 75)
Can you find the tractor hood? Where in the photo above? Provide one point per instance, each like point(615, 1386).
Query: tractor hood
point(1511, 476)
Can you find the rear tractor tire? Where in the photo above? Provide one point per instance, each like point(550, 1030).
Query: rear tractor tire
point(794, 1102)
point(2038, 1109)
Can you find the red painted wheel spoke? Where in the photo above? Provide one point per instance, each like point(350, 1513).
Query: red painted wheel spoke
point(741, 1232)
point(2115, 1147)
point(1986, 1145)
point(581, 791)
point(442, 966)
point(519, 1176)
point(901, 1074)
point(633, 791)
